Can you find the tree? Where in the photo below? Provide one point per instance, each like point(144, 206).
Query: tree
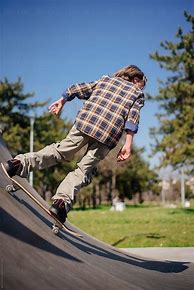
point(14, 108)
point(175, 136)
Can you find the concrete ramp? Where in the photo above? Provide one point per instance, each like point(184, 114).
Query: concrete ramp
point(32, 257)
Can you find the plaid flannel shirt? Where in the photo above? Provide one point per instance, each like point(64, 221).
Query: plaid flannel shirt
point(112, 105)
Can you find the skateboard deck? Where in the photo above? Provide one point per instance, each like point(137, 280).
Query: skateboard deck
point(57, 225)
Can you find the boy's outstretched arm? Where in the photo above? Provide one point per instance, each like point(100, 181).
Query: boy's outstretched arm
point(56, 107)
point(82, 91)
point(125, 151)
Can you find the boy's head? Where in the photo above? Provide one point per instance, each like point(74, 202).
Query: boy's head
point(132, 74)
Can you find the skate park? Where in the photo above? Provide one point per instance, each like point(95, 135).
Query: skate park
point(32, 257)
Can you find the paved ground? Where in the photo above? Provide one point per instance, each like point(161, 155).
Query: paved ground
point(32, 257)
point(164, 254)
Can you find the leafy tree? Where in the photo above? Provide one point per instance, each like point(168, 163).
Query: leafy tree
point(14, 109)
point(175, 135)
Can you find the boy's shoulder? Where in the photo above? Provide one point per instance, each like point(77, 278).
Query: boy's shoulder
point(115, 80)
point(118, 81)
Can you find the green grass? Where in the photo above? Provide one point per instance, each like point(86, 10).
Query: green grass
point(138, 226)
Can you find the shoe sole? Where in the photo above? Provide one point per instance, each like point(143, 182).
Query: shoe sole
point(5, 171)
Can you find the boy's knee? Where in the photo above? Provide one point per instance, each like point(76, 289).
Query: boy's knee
point(88, 177)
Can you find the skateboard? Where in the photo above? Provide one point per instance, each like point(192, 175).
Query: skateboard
point(57, 225)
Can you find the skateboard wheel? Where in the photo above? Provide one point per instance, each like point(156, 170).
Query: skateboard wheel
point(10, 188)
point(55, 229)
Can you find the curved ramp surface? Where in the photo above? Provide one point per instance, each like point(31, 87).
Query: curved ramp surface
point(32, 257)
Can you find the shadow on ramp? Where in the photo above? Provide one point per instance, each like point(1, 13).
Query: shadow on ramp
point(160, 266)
point(12, 227)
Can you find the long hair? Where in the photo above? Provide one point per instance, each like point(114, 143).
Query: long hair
point(129, 72)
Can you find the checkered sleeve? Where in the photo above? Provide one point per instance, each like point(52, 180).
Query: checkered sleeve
point(81, 91)
point(134, 115)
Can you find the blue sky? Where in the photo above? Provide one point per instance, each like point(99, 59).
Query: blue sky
point(52, 44)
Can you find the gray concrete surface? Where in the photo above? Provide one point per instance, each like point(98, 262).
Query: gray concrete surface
point(32, 257)
point(163, 254)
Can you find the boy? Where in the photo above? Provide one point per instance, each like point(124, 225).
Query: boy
point(112, 106)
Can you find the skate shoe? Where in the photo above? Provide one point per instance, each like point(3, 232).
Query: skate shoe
point(12, 167)
point(58, 210)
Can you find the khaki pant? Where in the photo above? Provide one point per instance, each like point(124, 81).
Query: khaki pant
point(65, 151)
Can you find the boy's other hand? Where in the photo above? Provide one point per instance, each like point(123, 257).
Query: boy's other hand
point(56, 107)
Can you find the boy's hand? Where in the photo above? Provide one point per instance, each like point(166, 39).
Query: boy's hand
point(56, 107)
point(124, 153)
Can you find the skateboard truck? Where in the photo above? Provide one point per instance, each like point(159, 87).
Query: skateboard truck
point(55, 229)
point(10, 188)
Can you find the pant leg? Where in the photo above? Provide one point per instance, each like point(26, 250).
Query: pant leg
point(54, 153)
point(73, 182)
